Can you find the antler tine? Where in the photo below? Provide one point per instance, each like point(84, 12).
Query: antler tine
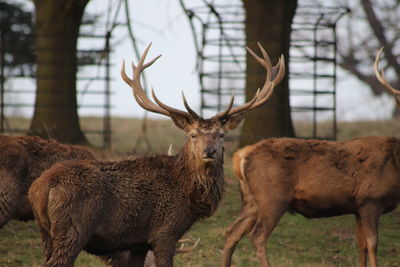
point(224, 113)
point(269, 85)
point(141, 98)
point(229, 111)
point(123, 74)
point(182, 249)
point(168, 108)
point(137, 98)
point(188, 108)
point(161, 104)
point(265, 94)
point(279, 70)
point(380, 75)
point(139, 93)
point(266, 59)
point(261, 96)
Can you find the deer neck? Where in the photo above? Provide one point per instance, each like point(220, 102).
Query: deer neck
point(204, 181)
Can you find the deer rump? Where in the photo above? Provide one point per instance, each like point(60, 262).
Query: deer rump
point(321, 178)
point(112, 206)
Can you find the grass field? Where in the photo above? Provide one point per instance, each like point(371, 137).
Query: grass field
point(295, 242)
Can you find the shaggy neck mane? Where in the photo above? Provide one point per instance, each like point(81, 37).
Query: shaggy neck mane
point(204, 182)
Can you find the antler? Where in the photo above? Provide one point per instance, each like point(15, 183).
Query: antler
point(261, 96)
point(141, 97)
point(183, 249)
point(380, 75)
point(276, 72)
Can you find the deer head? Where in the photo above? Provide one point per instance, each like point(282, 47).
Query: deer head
point(206, 135)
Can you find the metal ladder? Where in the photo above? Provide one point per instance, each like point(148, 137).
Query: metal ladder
point(219, 37)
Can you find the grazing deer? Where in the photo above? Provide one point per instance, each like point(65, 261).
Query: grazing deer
point(22, 160)
point(316, 179)
point(146, 203)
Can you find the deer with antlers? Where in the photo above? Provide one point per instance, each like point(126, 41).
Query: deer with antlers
point(316, 179)
point(146, 203)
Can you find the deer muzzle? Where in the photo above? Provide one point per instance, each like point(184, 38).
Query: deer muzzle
point(209, 154)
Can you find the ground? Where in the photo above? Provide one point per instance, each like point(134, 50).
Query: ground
point(296, 241)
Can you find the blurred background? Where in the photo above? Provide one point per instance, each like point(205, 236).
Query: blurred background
point(329, 48)
point(60, 66)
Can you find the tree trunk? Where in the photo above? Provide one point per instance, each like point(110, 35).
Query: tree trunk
point(57, 29)
point(268, 22)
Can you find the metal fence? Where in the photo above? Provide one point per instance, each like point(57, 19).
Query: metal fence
point(219, 37)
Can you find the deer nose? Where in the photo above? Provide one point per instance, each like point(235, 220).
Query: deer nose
point(209, 152)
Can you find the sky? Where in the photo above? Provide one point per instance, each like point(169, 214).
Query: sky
point(164, 24)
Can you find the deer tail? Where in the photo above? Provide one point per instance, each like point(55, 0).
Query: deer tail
point(239, 162)
point(39, 197)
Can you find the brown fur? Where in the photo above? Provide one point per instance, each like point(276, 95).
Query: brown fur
point(147, 203)
point(316, 179)
point(22, 160)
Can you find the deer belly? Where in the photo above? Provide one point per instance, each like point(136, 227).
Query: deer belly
point(24, 211)
point(323, 205)
point(99, 245)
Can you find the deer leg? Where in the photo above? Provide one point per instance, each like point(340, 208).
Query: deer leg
point(120, 258)
point(65, 246)
point(68, 237)
point(369, 215)
point(46, 240)
point(150, 260)
point(164, 251)
point(361, 242)
point(138, 258)
point(45, 236)
point(126, 258)
point(268, 217)
point(246, 211)
point(242, 225)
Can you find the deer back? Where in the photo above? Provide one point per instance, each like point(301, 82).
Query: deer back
point(319, 175)
point(26, 157)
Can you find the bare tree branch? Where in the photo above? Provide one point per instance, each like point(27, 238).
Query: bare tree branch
point(379, 32)
point(370, 80)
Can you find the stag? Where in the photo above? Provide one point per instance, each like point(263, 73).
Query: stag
point(146, 203)
point(22, 160)
point(317, 179)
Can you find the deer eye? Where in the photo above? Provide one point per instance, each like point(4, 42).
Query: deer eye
point(193, 135)
point(222, 135)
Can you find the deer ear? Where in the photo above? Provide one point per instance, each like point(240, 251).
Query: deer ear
point(233, 121)
point(181, 121)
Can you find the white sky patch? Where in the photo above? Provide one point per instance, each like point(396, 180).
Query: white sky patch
point(164, 24)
